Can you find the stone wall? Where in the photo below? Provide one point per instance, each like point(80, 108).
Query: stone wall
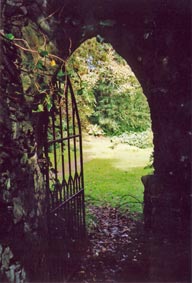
point(22, 195)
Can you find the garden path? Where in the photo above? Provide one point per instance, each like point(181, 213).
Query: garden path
point(116, 249)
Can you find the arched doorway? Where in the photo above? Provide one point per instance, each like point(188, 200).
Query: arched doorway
point(147, 36)
point(64, 176)
point(112, 107)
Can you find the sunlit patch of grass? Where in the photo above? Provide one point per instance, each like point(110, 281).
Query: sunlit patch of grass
point(107, 185)
point(66, 156)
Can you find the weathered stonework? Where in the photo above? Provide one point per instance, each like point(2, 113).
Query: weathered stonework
point(22, 195)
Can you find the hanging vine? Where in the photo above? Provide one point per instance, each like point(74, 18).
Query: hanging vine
point(40, 70)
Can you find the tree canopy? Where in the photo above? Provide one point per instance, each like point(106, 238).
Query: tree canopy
point(109, 94)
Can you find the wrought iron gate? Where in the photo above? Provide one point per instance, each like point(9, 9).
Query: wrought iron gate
point(64, 174)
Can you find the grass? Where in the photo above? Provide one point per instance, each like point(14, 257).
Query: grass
point(109, 186)
point(59, 154)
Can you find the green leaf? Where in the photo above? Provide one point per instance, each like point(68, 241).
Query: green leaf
point(43, 53)
point(40, 65)
point(40, 108)
point(60, 74)
point(9, 36)
point(48, 104)
point(80, 91)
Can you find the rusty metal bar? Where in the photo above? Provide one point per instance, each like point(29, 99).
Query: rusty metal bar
point(74, 139)
point(68, 133)
point(66, 197)
point(67, 200)
point(62, 139)
point(54, 147)
point(62, 145)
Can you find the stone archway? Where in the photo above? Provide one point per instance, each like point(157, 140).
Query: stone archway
point(154, 38)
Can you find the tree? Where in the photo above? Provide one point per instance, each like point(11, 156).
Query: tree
point(110, 94)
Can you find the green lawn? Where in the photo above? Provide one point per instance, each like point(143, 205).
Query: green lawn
point(107, 185)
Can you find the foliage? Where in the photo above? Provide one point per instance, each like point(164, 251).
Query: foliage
point(95, 130)
point(109, 93)
point(151, 161)
point(9, 36)
point(39, 67)
point(141, 140)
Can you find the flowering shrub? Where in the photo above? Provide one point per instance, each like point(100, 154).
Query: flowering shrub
point(141, 140)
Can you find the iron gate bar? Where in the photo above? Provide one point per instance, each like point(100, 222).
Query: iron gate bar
point(68, 133)
point(82, 212)
point(69, 199)
point(80, 131)
point(62, 139)
point(54, 145)
point(62, 147)
point(65, 185)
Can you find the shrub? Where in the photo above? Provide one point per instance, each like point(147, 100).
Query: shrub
point(141, 140)
point(95, 130)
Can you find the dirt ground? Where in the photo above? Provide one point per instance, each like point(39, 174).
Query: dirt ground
point(115, 251)
point(117, 248)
